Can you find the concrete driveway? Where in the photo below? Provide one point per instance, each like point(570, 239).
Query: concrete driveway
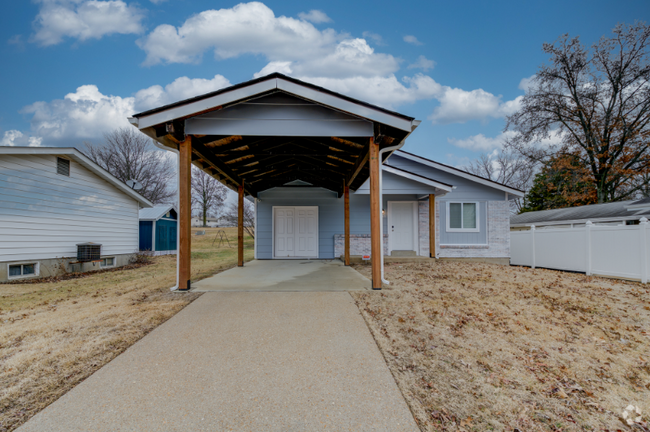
point(242, 361)
point(286, 275)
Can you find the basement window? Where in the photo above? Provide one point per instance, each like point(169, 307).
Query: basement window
point(63, 166)
point(22, 270)
point(107, 262)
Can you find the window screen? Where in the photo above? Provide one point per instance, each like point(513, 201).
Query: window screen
point(63, 167)
point(455, 215)
point(469, 215)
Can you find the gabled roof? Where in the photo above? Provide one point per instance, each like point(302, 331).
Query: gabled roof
point(595, 212)
point(418, 178)
point(82, 160)
point(156, 212)
point(460, 173)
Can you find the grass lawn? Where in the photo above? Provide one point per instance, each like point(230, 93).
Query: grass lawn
point(478, 347)
point(53, 335)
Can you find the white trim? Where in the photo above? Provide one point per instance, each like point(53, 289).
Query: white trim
point(416, 178)
point(273, 231)
point(81, 159)
point(461, 230)
point(37, 269)
point(460, 173)
point(255, 228)
point(153, 235)
point(416, 225)
point(612, 219)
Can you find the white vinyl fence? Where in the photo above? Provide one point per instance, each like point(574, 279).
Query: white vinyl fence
point(619, 251)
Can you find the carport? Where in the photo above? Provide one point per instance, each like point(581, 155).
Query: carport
point(272, 131)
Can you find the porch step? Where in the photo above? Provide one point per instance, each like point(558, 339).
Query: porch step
point(403, 253)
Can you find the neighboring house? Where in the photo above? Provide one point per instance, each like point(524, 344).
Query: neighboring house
point(53, 199)
point(210, 222)
point(614, 213)
point(472, 215)
point(158, 229)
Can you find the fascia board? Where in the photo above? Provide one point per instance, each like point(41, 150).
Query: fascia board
point(418, 179)
point(345, 106)
point(206, 104)
point(576, 221)
point(468, 176)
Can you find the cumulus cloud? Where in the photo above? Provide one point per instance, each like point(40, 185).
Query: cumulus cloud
point(181, 88)
point(525, 83)
point(422, 63)
point(17, 138)
point(459, 106)
point(87, 113)
point(482, 143)
point(84, 20)
point(412, 40)
point(376, 38)
point(315, 16)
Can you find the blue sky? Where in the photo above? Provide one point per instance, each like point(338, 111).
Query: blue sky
point(74, 69)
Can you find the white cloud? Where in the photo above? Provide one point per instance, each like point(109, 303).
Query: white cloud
point(315, 16)
point(84, 20)
point(157, 1)
point(17, 138)
point(181, 88)
point(525, 83)
point(412, 40)
point(376, 38)
point(386, 91)
point(482, 143)
point(459, 106)
point(422, 63)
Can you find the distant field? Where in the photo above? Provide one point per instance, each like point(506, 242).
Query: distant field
point(54, 335)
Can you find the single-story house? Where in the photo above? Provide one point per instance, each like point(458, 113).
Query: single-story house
point(158, 229)
point(613, 213)
point(61, 212)
point(327, 177)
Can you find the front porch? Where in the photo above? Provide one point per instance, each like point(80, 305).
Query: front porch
point(286, 276)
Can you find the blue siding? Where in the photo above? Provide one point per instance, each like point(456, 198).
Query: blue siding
point(145, 235)
point(394, 184)
point(457, 238)
point(330, 215)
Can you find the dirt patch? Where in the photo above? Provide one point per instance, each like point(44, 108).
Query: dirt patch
point(488, 347)
point(53, 335)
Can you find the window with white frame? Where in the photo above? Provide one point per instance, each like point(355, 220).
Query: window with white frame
point(107, 262)
point(23, 270)
point(462, 216)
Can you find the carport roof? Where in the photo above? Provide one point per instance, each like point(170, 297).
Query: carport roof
point(273, 130)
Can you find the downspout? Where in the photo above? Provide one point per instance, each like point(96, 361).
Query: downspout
point(415, 124)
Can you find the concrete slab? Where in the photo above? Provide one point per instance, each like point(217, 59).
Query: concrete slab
point(242, 361)
point(286, 275)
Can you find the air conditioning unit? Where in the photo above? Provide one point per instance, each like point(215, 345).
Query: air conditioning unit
point(88, 252)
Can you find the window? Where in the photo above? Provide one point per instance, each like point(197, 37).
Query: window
point(63, 166)
point(462, 216)
point(107, 262)
point(23, 270)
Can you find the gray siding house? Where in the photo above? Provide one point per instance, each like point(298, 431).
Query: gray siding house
point(472, 215)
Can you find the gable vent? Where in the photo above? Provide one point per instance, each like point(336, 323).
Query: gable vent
point(63, 166)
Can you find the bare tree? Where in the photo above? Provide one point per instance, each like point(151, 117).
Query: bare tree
point(207, 193)
point(232, 216)
point(596, 103)
point(507, 168)
point(130, 155)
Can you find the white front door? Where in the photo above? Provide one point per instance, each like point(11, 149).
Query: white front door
point(402, 225)
point(295, 232)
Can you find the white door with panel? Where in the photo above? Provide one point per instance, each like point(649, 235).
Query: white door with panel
point(402, 225)
point(295, 232)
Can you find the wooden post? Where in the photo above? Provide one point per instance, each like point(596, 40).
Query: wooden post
point(346, 195)
point(375, 215)
point(432, 226)
point(184, 213)
point(240, 226)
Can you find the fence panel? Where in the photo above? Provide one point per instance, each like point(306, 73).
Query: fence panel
point(619, 251)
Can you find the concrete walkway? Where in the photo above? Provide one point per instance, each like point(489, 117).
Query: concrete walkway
point(242, 361)
point(286, 275)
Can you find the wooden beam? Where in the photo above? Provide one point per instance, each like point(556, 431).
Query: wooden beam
point(346, 194)
point(432, 226)
point(240, 226)
point(358, 167)
point(375, 215)
point(184, 213)
point(207, 155)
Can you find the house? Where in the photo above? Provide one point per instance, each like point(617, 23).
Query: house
point(56, 205)
point(327, 177)
point(158, 229)
point(211, 222)
point(613, 213)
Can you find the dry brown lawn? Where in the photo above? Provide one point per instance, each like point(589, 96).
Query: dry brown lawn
point(480, 347)
point(54, 335)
